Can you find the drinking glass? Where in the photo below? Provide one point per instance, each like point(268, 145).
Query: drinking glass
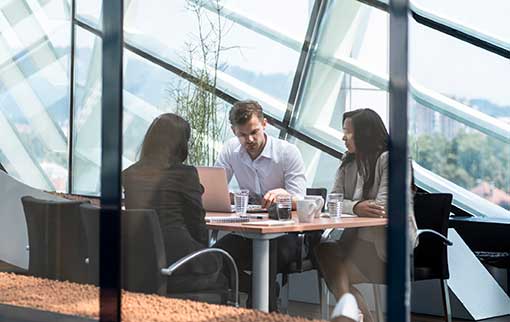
point(335, 204)
point(241, 201)
point(284, 207)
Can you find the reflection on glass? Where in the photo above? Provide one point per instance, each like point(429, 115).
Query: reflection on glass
point(34, 53)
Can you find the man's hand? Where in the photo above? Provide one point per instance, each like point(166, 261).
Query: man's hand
point(270, 197)
point(369, 208)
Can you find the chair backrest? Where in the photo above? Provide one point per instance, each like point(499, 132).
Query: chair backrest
point(56, 239)
point(143, 250)
point(432, 211)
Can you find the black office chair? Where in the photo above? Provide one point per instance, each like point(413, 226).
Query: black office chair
point(144, 265)
point(430, 258)
point(56, 239)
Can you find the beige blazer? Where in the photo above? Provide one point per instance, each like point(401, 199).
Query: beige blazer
point(345, 182)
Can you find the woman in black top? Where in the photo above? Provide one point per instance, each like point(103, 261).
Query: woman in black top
point(160, 181)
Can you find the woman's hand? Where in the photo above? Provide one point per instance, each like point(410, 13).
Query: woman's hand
point(369, 208)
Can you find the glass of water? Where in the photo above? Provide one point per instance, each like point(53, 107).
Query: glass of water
point(241, 201)
point(335, 204)
point(284, 207)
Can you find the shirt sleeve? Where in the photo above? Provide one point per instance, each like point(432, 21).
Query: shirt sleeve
point(382, 168)
point(294, 176)
point(223, 161)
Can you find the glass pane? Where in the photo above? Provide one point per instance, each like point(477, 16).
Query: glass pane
point(251, 63)
point(90, 11)
point(150, 90)
point(466, 157)
point(481, 72)
point(465, 122)
point(320, 166)
point(42, 238)
point(486, 17)
point(352, 47)
point(34, 76)
point(87, 114)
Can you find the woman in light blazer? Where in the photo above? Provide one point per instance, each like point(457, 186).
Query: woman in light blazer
point(359, 256)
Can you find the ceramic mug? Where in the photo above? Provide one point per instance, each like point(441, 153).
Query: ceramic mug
point(319, 201)
point(306, 210)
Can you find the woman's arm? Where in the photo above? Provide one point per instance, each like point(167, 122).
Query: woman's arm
point(338, 187)
point(194, 213)
point(377, 207)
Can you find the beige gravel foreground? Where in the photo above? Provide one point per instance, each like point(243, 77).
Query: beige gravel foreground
point(83, 300)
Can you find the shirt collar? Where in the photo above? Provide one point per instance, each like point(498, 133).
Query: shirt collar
point(268, 148)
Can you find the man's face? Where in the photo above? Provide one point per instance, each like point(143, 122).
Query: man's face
point(251, 135)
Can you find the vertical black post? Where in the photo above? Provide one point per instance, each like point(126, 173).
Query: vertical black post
point(398, 261)
point(111, 161)
point(70, 136)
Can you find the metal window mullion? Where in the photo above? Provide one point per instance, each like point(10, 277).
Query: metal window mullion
point(397, 270)
point(304, 63)
point(70, 136)
point(111, 162)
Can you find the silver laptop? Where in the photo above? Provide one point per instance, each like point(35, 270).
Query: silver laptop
point(216, 195)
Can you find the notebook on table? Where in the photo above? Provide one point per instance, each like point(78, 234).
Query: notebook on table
point(270, 222)
point(226, 219)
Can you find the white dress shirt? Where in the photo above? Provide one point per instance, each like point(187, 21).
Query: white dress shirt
point(280, 165)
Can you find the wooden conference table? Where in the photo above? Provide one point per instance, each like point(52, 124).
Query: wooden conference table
point(261, 235)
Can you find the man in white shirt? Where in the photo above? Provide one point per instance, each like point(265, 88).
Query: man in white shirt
point(267, 167)
point(264, 165)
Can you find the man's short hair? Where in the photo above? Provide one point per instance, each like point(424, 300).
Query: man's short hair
point(242, 111)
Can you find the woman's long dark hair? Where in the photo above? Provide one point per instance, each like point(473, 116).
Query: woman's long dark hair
point(370, 139)
point(166, 140)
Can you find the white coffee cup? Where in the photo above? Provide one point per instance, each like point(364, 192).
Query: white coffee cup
point(306, 210)
point(319, 201)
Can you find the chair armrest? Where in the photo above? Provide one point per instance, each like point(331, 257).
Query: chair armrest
point(234, 275)
point(445, 240)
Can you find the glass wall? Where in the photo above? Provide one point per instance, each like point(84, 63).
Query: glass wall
point(34, 91)
point(256, 54)
point(352, 73)
point(42, 239)
point(181, 52)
